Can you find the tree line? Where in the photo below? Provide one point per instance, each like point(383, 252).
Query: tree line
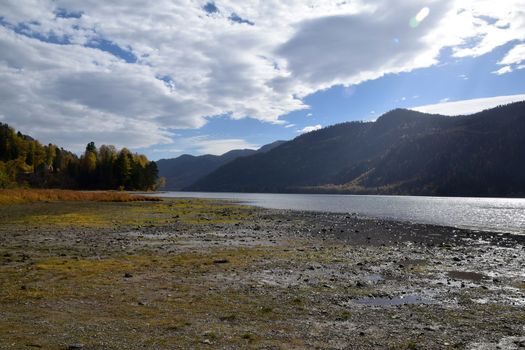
point(25, 161)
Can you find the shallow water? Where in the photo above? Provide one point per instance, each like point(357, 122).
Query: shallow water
point(465, 275)
point(485, 214)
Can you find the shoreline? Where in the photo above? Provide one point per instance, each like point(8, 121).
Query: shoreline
point(212, 274)
point(364, 211)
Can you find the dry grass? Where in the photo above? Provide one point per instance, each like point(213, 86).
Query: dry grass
point(14, 196)
point(179, 299)
point(130, 215)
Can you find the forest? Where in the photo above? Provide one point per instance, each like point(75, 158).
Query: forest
point(26, 162)
point(403, 152)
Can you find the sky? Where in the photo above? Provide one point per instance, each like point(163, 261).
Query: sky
point(170, 77)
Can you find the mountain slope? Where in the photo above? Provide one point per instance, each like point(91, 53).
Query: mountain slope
point(403, 152)
point(183, 171)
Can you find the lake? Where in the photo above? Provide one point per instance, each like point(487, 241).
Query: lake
point(486, 214)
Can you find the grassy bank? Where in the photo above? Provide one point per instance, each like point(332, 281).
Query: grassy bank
point(12, 196)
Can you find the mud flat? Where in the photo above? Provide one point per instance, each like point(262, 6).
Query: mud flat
point(209, 274)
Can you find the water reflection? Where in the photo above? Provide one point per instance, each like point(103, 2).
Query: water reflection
point(488, 214)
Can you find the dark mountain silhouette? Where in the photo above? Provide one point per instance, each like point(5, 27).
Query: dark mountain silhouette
point(403, 152)
point(183, 171)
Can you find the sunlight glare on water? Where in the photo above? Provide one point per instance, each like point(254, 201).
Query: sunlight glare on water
point(485, 214)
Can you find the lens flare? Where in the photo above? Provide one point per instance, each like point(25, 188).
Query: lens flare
point(422, 14)
point(420, 17)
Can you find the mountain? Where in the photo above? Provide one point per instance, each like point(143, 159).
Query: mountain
point(183, 171)
point(403, 152)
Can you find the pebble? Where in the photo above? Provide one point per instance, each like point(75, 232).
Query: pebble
point(221, 261)
point(75, 346)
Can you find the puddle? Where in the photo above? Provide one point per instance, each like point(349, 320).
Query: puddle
point(392, 301)
point(468, 276)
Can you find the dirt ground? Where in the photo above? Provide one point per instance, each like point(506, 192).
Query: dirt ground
point(191, 274)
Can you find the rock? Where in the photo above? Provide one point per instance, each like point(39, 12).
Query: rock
point(221, 261)
point(128, 275)
point(76, 346)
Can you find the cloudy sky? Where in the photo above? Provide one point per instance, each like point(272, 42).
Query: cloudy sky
point(168, 77)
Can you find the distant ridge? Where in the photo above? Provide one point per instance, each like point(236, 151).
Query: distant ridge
point(403, 152)
point(184, 170)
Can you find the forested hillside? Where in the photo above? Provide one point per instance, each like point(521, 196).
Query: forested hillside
point(184, 170)
point(403, 152)
point(25, 161)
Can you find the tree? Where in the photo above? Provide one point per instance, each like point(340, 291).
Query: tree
point(88, 166)
point(24, 159)
point(51, 153)
point(107, 156)
point(152, 174)
point(123, 168)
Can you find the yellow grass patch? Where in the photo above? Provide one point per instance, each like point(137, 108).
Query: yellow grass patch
point(13, 196)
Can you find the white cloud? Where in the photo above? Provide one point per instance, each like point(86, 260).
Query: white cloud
point(512, 60)
point(515, 56)
point(468, 106)
point(167, 150)
point(205, 145)
point(289, 125)
point(503, 70)
point(191, 66)
point(310, 128)
point(482, 26)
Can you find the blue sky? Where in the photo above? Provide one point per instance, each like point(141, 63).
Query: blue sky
point(206, 77)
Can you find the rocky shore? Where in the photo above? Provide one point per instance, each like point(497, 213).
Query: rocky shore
point(207, 274)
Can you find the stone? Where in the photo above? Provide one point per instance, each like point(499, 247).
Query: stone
point(76, 346)
point(221, 261)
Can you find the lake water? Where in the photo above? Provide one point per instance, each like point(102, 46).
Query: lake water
point(486, 214)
